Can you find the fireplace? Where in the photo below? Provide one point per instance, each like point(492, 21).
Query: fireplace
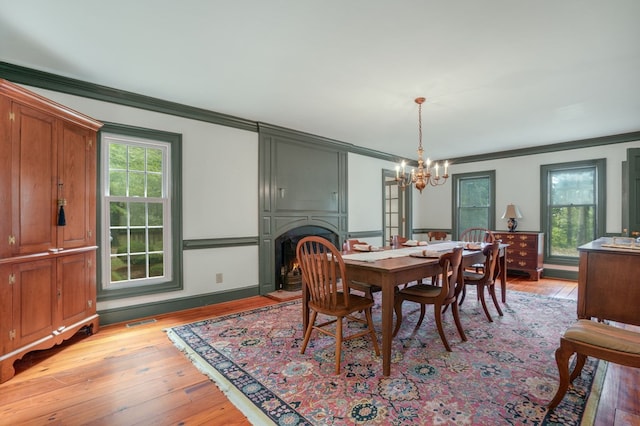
point(288, 275)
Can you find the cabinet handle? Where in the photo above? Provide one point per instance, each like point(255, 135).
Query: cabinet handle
point(12, 279)
point(12, 239)
point(59, 293)
point(90, 303)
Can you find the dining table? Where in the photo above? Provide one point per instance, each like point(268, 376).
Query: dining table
point(389, 268)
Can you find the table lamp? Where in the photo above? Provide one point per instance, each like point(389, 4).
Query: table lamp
point(512, 213)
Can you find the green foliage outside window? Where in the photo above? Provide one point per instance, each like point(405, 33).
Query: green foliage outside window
point(136, 223)
point(474, 202)
point(572, 210)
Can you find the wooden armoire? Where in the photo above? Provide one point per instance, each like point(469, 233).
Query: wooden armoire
point(47, 224)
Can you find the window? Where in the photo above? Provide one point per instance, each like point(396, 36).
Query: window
point(473, 201)
point(139, 212)
point(572, 208)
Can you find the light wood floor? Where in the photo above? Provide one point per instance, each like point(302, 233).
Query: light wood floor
point(134, 375)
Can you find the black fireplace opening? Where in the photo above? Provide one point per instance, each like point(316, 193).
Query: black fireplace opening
point(288, 277)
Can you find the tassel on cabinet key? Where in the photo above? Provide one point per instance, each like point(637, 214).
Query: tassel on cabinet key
point(62, 220)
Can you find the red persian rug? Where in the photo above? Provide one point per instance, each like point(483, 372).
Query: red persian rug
point(504, 374)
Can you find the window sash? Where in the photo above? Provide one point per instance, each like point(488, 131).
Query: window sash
point(573, 213)
point(138, 266)
point(473, 201)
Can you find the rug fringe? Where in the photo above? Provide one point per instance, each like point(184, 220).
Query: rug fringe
point(241, 402)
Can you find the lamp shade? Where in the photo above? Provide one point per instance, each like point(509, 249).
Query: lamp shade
point(511, 211)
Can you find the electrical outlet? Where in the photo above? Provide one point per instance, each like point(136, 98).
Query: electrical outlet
point(219, 278)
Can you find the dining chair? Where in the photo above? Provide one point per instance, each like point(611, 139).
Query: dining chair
point(328, 288)
point(397, 240)
point(366, 288)
point(486, 279)
point(438, 296)
point(437, 235)
point(477, 235)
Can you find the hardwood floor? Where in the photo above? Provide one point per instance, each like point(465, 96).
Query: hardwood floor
point(135, 376)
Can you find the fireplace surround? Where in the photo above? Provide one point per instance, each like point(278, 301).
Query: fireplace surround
point(303, 191)
point(288, 276)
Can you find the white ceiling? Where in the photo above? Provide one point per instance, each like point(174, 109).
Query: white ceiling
point(497, 74)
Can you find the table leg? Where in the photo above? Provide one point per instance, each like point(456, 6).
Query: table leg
point(388, 294)
point(503, 275)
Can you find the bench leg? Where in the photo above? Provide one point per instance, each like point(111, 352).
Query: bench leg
point(580, 360)
point(563, 353)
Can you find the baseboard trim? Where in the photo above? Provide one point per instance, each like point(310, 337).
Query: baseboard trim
point(560, 274)
point(135, 312)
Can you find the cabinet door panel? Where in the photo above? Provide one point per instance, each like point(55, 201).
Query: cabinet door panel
point(6, 309)
point(5, 178)
point(74, 288)
point(33, 180)
point(35, 300)
point(76, 165)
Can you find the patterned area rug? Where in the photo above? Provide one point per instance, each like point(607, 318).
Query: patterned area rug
point(504, 374)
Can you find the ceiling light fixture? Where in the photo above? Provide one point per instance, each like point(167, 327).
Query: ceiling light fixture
point(423, 176)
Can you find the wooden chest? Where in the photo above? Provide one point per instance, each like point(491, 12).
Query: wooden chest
point(524, 252)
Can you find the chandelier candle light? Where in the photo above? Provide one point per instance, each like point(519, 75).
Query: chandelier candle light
point(423, 176)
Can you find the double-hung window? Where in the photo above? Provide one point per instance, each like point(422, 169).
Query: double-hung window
point(140, 247)
point(573, 210)
point(473, 201)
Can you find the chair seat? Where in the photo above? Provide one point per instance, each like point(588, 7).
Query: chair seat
point(356, 303)
point(421, 290)
point(472, 276)
point(605, 336)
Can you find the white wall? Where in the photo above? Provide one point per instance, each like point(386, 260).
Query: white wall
point(365, 194)
point(220, 195)
point(518, 182)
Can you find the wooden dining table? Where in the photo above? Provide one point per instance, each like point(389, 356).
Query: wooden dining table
point(389, 273)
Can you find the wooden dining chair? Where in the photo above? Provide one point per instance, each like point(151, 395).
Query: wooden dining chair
point(436, 235)
point(486, 279)
point(366, 288)
point(477, 235)
point(438, 296)
point(328, 288)
point(397, 240)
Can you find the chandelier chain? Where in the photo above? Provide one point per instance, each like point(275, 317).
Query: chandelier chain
point(420, 126)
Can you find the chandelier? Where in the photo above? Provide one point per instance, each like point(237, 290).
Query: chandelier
point(424, 175)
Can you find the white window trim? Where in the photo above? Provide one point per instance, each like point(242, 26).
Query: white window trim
point(165, 147)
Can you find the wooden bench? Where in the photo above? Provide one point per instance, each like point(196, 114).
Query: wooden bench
point(608, 290)
point(590, 338)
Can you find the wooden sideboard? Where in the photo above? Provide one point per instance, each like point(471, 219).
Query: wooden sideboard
point(608, 286)
point(524, 252)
